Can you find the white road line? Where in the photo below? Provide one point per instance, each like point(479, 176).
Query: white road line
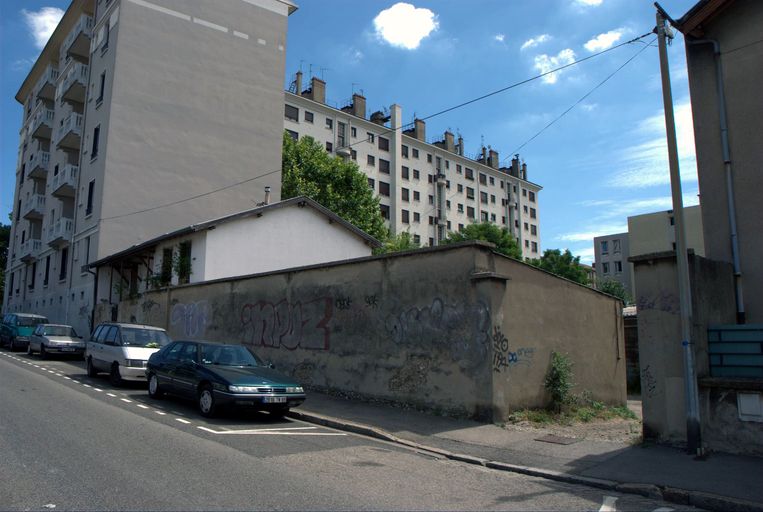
point(98, 389)
point(262, 42)
point(112, 395)
point(272, 432)
point(37, 366)
point(126, 400)
point(76, 381)
point(181, 420)
point(67, 378)
point(87, 385)
point(240, 34)
point(142, 406)
point(609, 504)
point(50, 371)
point(160, 413)
point(663, 509)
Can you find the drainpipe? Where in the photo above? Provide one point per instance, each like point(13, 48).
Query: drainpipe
point(727, 168)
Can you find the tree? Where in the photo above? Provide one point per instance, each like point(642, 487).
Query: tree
point(402, 242)
point(307, 170)
point(615, 288)
point(489, 232)
point(562, 264)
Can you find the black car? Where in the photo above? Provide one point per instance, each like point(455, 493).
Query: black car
point(219, 375)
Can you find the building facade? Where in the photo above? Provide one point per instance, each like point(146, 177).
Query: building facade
point(132, 108)
point(426, 188)
point(652, 233)
point(611, 260)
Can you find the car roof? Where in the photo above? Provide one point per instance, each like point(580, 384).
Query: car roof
point(134, 326)
point(29, 315)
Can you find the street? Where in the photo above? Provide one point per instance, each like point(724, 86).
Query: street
point(69, 442)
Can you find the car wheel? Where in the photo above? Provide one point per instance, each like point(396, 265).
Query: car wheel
point(43, 353)
point(154, 390)
point(206, 401)
point(91, 371)
point(114, 377)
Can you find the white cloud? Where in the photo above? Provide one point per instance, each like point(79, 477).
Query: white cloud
point(22, 65)
point(604, 41)
point(545, 63)
point(535, 41)
point(645, 164)
point(500, 37)
point(404, 26)
point(589, 107)
point(589, 234)
point(42, 23)
point(589, 3)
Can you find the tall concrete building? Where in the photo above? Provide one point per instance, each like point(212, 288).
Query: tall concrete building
point(611, 260)
point(427, 187)
point(134, 113)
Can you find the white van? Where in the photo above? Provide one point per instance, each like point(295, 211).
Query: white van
point(122, 350)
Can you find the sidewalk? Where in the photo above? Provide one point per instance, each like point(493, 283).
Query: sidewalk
point(720, 482)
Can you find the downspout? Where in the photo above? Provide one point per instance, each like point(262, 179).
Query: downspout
point(729, 181)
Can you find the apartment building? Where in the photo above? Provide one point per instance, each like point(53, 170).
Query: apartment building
point(427, 188)
point(611, 254)
point(133, 108)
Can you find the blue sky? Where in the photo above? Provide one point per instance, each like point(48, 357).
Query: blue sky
point(603, 161)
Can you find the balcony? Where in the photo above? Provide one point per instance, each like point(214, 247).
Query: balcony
point(69, 134)
point(73, 86)
point(46, 85)
point(42, 123)
point(64, 184)
point(30, 249)
point(39, 163)
point(60, 233)
point(77, 42)
point(34, 207)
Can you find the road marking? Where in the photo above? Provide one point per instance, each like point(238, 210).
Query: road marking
point(273, 432)
point(67, 378)
point(76, 381)
point(160, 413)
point(99, 390)
point(142, 406)
point(609, 504)
point(50, 371)
point(181, 420)
point(112, 395)
point(663, 509)
point(126, 400)
point(87, 385)
point(37, 366)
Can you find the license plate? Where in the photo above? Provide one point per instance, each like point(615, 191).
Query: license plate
point(67, 349)
point(274, 399)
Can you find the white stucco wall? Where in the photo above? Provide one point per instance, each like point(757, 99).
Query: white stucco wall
point(282, 238)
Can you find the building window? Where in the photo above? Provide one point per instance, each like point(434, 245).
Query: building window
point(416, 239)
point(34, 275)
point(309, 117)
point(101, 88)
point(96, 136)
point(46, 277)
point(329, 123)
point(86, 250)
point(532, 197)
point(533, 229)
point(431, 220)
point(460, 208)
point(404, 216)
point(383, 144)
point(492, 217)
point(430, 178)
point(291, 113)
point(431, 199)
point(447, 204)
point(492, 198)
point(371, 183)
point(340, 134)
point(384, 211)
point(483, 216)
point(605, 268)
point(429, 158)
point(534, 246)
point(416, 195)
point(165, 275)
point(90, 194)
point(383, 165)
point(469, 193)
point(468, 174)
point(184, 262)
point(431, 242)
point(294, 135)
point(616, 245)
point(416, 174)
point(533, 213)
point(384, 189)
point(470, 212)
point(370, 137)
point(404, 151)
point(404, 172)
point(527, 244)
point(415, 153)
point(329, 147)
point(527, 227)
point(524, 192)
point(438, 163)
point(106, 31)
point(370, 160)
point(483, 197)
point(353, 132)
point(64, 264)
point(458, 169)
point(618, 267)
point(483, 179)
point(460, 188)
point(492, 180)
point(604, 247)
point(447, 164)
point(354, 154)
point(405, 194)
point(416, 217)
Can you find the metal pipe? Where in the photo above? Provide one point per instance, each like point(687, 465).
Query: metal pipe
point(728, 172)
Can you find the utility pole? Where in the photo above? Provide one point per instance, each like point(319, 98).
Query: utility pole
point(693, 430)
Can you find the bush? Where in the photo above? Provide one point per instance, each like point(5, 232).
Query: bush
point(559, 380)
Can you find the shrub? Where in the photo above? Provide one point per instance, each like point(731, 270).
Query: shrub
point(559, 380)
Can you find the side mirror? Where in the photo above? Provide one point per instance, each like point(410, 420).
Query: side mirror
point(271, 366)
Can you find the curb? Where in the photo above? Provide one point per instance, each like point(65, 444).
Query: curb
point(704, 500)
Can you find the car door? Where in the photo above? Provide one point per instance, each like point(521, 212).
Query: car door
point(166, 364)
point(35, 341)
point(104, 346)
point(184, 373)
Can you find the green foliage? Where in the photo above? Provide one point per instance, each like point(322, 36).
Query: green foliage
point(562, 264)
point(559, 380)
point(339, 185)
point(402, 242)
point(615, 288)
point(489, 232)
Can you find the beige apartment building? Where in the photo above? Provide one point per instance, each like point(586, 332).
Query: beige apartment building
point(427, 187)
point(133, 108)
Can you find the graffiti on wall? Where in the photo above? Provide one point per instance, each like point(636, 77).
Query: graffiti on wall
point(648, 382)
point(663, 301)
point(464, 330)
point(190, 319)
point(503, 358)
point(297, 325)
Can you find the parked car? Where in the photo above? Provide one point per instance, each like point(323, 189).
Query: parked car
point(122, 350)
point(17, 328)
point(50, 339)
point(219, 375)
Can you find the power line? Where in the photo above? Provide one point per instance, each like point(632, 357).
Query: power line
point(389, 130)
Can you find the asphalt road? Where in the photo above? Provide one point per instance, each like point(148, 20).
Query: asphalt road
point(69, 442)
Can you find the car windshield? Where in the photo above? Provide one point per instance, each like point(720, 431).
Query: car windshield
point(60, 330)
point(228, 355)
point(31, 321)
point(149, 338)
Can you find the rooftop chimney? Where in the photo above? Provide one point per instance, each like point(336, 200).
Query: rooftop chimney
point(492, 159)
point(420, 129)
point(359, 105)
point(449, 144)
point(267, 195)
point(460, 145)
point(317, 90)
point(515, 166)
point(524, 171)
point(298, 82)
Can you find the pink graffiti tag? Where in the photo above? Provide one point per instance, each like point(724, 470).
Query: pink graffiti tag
point(292, 326)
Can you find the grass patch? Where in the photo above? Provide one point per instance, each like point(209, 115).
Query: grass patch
point(582, 410)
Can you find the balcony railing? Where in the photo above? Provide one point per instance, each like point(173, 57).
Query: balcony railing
point(30, 249)
point(64, 184)
point(70, 132)
point(46, 85)
point(42, 123)
point(39, 163)
point(34, 206)
point(60, 232)
point(73, 85)
point(77, 42)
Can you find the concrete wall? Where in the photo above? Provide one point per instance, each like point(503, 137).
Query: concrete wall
point(419, 327)
point(735, 28)
point(653, 232)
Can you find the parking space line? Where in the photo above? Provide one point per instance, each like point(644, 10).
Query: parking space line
point(286, 431)
point(181, 420)
point(112, 395)
point(87, 385)
point(143, 406)
point(126, 400)
point(160, 413)
point(99, 390)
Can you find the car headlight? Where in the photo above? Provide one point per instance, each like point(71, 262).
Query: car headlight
point(135, 363)
point(242, 389)
point(296, 389)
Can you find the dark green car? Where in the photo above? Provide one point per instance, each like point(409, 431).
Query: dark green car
point(219, 375)
point(17, 328)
